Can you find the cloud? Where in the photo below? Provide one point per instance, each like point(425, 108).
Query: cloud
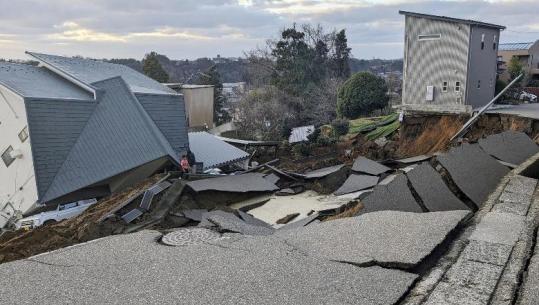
point(198, 28)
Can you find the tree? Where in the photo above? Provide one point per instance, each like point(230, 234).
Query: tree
point(361, 94)
point(341, 58)
point(212, 77)
point(515, 67)
point(152, 68)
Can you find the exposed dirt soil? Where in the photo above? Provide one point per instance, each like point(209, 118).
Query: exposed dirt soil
point(421, 135)
point(85, 227)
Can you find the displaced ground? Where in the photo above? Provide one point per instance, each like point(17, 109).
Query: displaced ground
point(447, 256)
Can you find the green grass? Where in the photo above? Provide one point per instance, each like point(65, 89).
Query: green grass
point(383, 131)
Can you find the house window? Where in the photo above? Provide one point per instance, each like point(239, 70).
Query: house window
point(494, 43)
point(479, 84)
point(457, 86)
point(6, 156)
point(23, 135)
point(430, 37)
point(444, 86)
point(482, 41)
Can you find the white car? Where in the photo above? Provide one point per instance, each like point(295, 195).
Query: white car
point(63, 211)
point(528, 97)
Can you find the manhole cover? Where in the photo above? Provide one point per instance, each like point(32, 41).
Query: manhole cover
point(186, 237)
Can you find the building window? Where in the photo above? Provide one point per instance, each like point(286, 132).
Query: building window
point(482, 41)
point(23, 135)
point(479, 84)
point(430, 37)
point(6, 156)
point(444, 86)
point(494, 43)
point(457, 86)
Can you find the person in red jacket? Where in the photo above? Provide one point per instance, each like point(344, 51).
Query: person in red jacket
point(184, 163)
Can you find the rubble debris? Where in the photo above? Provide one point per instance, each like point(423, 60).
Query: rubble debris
point(251, 203)
point(474, 172)
point(395, 196)
point(367, 166)
point(430, 187)
point(252, 182)
point(189, 236)
point(287, 218)
point(300, 134)
point(509, 146)
point(301, 223)
point(281, 206)
point(146, 201)
point(292, 190)
point(387, 238)
point(356, 183)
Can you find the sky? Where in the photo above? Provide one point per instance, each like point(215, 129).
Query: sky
point(189, 29)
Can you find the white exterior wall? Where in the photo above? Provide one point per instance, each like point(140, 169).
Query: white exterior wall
point(17, 182)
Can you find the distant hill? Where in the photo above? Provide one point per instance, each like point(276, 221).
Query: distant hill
point(234, 70)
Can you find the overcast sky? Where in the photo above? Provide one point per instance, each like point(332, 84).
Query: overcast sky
point(204, 28)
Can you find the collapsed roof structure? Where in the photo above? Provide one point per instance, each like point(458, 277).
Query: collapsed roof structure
point(94, 128)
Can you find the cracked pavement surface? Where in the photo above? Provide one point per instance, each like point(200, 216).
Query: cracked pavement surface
point(289, 267)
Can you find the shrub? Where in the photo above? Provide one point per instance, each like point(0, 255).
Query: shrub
point(361, 94)
point(302, 150)
point(340, 127)
point(313, 137)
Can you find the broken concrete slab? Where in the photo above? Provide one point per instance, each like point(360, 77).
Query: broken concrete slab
point(474, 172)
point(448, 294)
point(272, 178)
point(415, 159)
point(252, 182)
point(228, 222)
point(395, 196)
point(287, 218)
point(194, 214)
point(301, 223)
point(280, 206)
point(521, 185)
point(386, 238)
point(249, 219)
point(96, 273)
point(432, 190)
point(509, 146)
point(499, 228)
point(356, 183)
point(323, 172)
point(189, 236)
point(512, 208)
point(367, 166)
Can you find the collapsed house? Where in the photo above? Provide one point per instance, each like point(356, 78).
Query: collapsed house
point(76, 128)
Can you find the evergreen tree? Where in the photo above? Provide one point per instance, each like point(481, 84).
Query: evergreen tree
point(152, 68)
point(341, 58)
point(212, 77)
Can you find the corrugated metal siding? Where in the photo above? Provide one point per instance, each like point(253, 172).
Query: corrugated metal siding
point(118, 137)
point(168, 113)
point(430, 63)
point(213, 151)
point(54, 128)
point(483, 66)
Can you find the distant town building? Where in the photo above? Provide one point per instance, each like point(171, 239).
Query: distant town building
point(526, 52)
point(449, 64)
point(198, 104)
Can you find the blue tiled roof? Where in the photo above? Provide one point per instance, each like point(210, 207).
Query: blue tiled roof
point(515, 46)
